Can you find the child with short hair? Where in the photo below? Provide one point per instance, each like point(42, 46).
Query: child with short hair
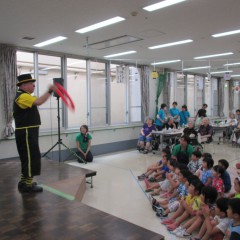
point(199, 171)
point(236, 188)
point(215, 227)
point(171, 178)
point(155, 166)
point(226, 177)
point(173, 206)
point(195, 162)
point(207, 176)
point(162, 172)
point(208, 198)
point(177, 194)
point(233, 213)
point(217, 172)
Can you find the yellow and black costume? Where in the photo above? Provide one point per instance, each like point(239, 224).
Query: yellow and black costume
point(27, 121)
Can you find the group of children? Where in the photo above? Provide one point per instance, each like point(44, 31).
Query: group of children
point(195, 198)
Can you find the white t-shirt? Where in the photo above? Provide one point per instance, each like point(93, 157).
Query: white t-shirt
point(222, 223)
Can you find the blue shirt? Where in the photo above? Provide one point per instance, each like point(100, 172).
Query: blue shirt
point(161, 114)
point(227, 181)
point(147, 130)
point(205, 175)
point(174, 112)
point(184, 115)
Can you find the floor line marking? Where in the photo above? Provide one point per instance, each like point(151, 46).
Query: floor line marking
point(57, 192)
point(139, 184)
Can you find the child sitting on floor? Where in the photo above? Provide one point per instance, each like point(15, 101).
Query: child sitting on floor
point(160, 174)
point(169, 182)
point(199, 171)
point(154, 167)
point(192, 199)
point(195, 162)
point(226, 177)
point(236, 188)
point(215, 227)
point(233, 213)
point(178, 193)
point(208, 198)
point(217, 179)
point(207, 176)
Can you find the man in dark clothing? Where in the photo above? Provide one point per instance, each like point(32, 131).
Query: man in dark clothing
point(27, 121)
point(202, 112)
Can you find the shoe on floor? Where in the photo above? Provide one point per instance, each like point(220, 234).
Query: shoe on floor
point(23, 188)
point(179, 229)
point(183, 233)
point(145, 151)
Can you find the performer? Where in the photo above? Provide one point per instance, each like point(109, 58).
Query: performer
point(83, 142)
point(27, 121)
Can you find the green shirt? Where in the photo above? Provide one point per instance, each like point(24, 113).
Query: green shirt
point(237, 195)
point(188, 151)
point(83, 145)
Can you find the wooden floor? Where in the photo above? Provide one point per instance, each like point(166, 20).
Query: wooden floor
point(50, 216)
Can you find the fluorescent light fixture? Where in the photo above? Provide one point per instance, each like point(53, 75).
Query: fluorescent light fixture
point(100, 24)
point(226, 33)
point(236, 75)
point(194, 68)
point(221, 72)
point(171, 61)
point(162, 4)
point(50, 41)
point(231, 64)
point(171, 44)
point(214, 55)
point(119, 54)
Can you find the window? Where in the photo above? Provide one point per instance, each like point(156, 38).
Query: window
point(98, 94)
point(77, 89)
point(118, 92)
point(191, 95)
point(180, 90)
point(134, 95)
point(25, 63)
point(49, 67)
point(199, 92)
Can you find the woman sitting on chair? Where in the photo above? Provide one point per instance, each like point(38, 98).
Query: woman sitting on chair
point(205, 131)
point(170, 123)
point(146, 136)
point(83, 142)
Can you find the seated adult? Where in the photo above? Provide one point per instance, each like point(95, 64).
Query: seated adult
point(146, 136)
point(183, 151)
point(184, 116)
point(170, 123)
point(190, 130)
point(237, 132)
point(232, 122)
point(205, 131)
point(83, 142)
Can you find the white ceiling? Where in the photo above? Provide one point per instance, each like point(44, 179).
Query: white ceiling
point(193, 19)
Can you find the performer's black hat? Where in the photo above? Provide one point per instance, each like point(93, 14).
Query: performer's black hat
point(25, 78)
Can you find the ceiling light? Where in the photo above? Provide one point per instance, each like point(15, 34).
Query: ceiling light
point(119, 54)
point(221, 72)
point(186, 69)
point(162, 4)
point(171, 44)
point(171, 61)
point(231, 64)
point(215, 55)
point(50, 41)
point(100, 24)
point(226, 33)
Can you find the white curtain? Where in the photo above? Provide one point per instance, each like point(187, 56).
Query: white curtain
point(221, 96)
point(8, 79)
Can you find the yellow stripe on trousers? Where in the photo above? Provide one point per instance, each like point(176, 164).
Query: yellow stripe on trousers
point(28, 153)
